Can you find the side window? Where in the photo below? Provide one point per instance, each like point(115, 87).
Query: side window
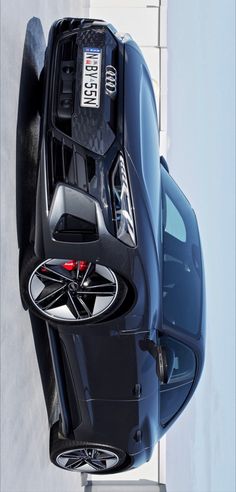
point(174, 394)
point(174, 222)
point(182, 274)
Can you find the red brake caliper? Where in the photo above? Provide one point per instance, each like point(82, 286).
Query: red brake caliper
point(73, 264)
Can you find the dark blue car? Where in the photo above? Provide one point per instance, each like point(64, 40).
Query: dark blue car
point(114, 264)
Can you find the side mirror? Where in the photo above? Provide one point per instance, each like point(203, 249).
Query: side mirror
point(164, 163)
point(164, 356)
point(165, 362)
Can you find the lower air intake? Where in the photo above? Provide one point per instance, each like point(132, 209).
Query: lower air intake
point(74, 229)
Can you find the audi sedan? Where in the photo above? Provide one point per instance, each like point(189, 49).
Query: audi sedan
point(114, 264)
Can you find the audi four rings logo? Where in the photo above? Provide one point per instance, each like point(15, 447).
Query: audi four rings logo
point(111, 80)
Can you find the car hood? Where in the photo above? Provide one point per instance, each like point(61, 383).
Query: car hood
point(141, 135)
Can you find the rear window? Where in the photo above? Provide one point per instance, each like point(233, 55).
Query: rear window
point(182, 270)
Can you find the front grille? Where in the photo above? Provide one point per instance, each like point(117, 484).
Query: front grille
point(93, 129)
point(71, 24)
point(68, 24)
point(96, 129)
point(65, 83)
point(66, 165)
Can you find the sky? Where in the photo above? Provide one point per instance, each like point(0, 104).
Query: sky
point(201, 157)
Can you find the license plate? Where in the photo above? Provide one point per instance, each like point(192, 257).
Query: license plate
point(91, 78)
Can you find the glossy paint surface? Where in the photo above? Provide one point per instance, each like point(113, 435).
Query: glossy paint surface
point(109, 383)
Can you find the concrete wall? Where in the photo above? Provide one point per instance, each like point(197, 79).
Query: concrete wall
point(129, 486)
point(146, 21)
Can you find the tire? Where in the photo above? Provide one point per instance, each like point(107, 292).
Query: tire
point(29, 265)
point(116, 458)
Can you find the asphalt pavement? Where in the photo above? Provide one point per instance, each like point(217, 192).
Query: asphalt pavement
point(25, 465)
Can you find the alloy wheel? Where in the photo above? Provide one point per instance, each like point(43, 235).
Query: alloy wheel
point(87, 460)
point(72, 290)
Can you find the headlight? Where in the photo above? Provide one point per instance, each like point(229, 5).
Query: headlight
point(123, 210)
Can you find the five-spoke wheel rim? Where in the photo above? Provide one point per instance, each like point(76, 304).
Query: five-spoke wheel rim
point(88, 460)
point(72, 290)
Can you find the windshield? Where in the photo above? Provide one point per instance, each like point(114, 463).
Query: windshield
point(182, 269)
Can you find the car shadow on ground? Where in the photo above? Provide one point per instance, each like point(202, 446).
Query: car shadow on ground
point(27, 141)
point(28, 125)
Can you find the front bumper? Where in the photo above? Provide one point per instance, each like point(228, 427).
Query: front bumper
point(79, 145)
point(75, 180)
